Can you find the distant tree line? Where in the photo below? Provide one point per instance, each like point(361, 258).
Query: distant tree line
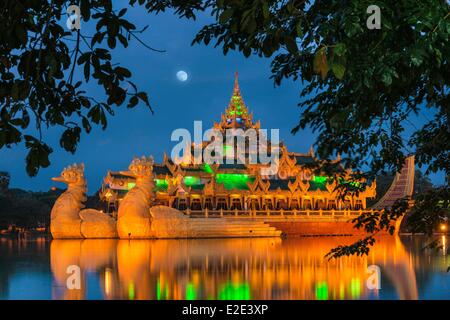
point(30, 209)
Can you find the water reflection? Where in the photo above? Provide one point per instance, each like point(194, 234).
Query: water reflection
point(230, 269)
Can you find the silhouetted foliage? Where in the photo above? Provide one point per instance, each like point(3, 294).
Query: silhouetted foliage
point(38, 59)
point(430, 210)
point(4, 181)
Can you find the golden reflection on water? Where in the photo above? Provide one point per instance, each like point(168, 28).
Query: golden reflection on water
point(229, 269)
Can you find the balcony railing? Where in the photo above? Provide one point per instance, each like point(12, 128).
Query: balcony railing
point(206, 213)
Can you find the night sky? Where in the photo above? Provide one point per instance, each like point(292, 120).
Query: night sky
point(176, 104)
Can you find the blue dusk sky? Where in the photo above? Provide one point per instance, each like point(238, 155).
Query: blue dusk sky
point(177, 104)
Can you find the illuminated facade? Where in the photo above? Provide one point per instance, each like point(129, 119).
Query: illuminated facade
point(240, 187)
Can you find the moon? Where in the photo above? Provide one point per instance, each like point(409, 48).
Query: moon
point(182, 75)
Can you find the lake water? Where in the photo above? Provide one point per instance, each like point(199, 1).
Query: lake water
point(221, 269)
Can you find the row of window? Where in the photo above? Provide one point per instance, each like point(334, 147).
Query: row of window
point(265, 204)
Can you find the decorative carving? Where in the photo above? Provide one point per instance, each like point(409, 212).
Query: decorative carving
point(67, 218)
point(259, 185)
point(304, 186)
point(209, 189)
point(134, 219)
point(331, 186)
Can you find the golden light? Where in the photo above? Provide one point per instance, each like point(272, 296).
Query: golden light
point(108, 281)
point(443, 227)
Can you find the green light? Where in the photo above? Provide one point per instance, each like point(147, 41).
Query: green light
point(227, 150)
point(233, 181)
point(354, 184)
point(191, 180)
point(161, 184)
point(131, 185)
point(191, 293)
point(355, 288)
point(158, 290)
point(319, 179)
point(131, 293)
point(322, 291)
point(207, 168)
point(231, 291)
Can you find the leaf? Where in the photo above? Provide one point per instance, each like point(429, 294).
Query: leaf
point(86, 125)
point(123, 40)
point(416, 58)
point(112, 42)
point(299, 29)
point(122, 12)
point(133, 102)
point(87, 71)
point(225, 16)
point(84, 57)
point(38, 155)
point(386, 78)
point(340, 49)
point(143, 96)
point(291, 45)
point(338, 70)
point(15, 91)
point(123, 72)
point(265, 10)
point(320, 63)
point(85, 9)
point(21, 33)
point(70, 139)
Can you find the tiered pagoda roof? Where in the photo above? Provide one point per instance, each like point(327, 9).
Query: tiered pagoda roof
point(236, 115)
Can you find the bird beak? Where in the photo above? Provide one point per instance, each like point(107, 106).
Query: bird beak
point(59, 179)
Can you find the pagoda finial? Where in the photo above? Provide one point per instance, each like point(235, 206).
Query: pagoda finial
point(236, 81)
point(236, 115)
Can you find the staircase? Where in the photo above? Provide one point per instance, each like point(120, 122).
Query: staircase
point(230, 228)
point(401, 187)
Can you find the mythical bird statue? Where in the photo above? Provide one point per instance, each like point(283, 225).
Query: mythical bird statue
point(67, 218)
point(134, 218)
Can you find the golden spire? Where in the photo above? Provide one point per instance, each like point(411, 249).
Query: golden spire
point(236, 90)
point(236, 115)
